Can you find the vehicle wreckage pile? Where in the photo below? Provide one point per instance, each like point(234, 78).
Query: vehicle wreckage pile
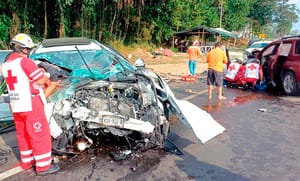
point(122, 109)
point(105, 96)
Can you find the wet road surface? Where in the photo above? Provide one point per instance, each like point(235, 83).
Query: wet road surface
point(260, 143)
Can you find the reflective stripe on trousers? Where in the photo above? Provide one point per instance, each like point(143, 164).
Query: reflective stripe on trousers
point(33, 133)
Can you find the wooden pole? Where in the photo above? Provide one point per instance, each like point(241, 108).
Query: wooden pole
point(221, 4)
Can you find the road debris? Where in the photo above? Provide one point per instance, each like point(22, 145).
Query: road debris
point(122, 155)
point(262, 110)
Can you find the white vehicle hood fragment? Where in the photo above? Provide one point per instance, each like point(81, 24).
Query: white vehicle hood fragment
point(202, 123)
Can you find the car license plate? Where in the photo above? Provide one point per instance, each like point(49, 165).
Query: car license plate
point(113, 121)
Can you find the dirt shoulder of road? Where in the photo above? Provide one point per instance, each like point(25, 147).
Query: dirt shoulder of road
point(175, 64)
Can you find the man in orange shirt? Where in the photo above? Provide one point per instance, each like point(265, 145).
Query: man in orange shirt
point(216, 58)
point(194, 52)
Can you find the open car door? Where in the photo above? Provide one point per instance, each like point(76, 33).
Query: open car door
point(269, 58)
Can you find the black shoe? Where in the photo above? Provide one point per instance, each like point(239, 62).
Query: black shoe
point(52, 169)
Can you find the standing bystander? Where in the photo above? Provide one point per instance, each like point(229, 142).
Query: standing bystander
point(216, 58)
point(194, 53)
point(24, 80)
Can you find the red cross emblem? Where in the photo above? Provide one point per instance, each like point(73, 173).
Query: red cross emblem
point(37, 125)
point(10, 80)
point(252, 67)
point(231, 67)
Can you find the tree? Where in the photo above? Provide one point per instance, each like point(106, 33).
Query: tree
point(261, 14)
point(64, 6)
point(131, 21)
point(235, 15)
point(285, 16)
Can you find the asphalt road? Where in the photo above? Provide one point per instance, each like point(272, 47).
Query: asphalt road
point(260, 143)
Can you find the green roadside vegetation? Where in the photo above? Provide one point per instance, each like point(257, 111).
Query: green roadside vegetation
point(147, 24)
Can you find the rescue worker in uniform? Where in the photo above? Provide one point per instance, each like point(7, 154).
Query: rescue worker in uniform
point(235, 73)
point(253, 73)
point(24, 80)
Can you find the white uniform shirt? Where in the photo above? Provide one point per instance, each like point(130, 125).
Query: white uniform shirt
point(232, 70)
point(252, 70)
point(17, 85)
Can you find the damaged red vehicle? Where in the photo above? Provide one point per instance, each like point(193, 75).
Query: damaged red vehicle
point(281, 64)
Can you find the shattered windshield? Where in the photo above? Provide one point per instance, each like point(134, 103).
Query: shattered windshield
point(96, 63)
point(85, 62)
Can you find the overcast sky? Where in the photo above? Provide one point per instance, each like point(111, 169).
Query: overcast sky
point(296, 25)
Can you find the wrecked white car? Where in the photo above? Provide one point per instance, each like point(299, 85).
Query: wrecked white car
point(104, 96)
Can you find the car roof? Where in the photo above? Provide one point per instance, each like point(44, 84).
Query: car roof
point(287, 38)
point(291, 37)
point(70, 43)
point(262, 41)
point(65, 41)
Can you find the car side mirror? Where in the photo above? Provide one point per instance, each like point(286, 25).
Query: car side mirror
point(139, 63)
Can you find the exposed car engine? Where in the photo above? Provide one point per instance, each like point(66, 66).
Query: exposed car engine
point(125, 109)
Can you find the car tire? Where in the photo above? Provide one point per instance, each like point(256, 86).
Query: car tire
point(289, 83)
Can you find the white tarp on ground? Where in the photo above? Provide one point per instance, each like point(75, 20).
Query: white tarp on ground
point(202, 123)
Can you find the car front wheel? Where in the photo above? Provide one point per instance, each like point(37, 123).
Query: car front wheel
point(289, 83)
